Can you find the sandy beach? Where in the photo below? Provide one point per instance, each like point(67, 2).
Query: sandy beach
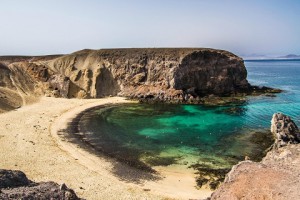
point(30, 142)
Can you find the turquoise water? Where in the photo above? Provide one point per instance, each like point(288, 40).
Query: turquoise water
point(183, 135)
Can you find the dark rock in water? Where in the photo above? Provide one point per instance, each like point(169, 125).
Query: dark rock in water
point(284, 130)
point(161, 161)
point(234, 110)
point(15, 185)
point(263, 90)
point(270, 95)
point(208, 175)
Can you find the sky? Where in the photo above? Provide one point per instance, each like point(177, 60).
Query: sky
point(35, 27)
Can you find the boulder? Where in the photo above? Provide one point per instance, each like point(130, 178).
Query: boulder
point(15, 185)
point(11, 179)
point(284, 130)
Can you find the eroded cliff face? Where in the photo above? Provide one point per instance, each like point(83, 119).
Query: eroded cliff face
point(166, 75)
point(9, 98)
point(21, 81)
point(160, 74)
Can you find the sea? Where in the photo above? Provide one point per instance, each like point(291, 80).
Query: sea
point(152, 135)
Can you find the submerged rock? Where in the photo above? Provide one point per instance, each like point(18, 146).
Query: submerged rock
point(284, 130)
point(15, 185)
point(206, 175)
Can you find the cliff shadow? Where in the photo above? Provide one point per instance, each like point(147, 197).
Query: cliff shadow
point(106, 84)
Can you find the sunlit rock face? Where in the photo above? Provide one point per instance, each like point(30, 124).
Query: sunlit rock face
point(164, 74)
point(179, 75)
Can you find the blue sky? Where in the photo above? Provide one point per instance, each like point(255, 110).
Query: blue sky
point(35, 27)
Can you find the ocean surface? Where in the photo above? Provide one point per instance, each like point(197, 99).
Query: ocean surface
point(184, 135)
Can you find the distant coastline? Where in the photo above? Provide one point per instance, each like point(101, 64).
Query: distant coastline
point(272, 59)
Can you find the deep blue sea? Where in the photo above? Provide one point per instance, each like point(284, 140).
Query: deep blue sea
point(162, 135)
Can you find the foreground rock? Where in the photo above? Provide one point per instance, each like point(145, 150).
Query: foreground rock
point(277, 176)
point(15, 185)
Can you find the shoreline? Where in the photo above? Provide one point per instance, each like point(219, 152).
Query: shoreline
point(29, 143)
point(162, 182)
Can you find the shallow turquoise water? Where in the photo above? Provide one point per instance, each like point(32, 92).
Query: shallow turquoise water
point(188, 134)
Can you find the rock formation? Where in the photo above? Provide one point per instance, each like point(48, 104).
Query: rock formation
point(162, 74)
point(276, 177)
point(21, 81)
point(175, 75)
point(15, 185)
point(284, 130)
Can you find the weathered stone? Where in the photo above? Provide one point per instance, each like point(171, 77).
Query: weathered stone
point(144, 73)
point(15, 185)
point(11, 179)
point(284, 130)
point(174, 75)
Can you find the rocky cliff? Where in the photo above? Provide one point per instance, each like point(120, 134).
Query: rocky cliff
point(162, 74)
point(276, 176)
point(167, 75)
point(20, 82)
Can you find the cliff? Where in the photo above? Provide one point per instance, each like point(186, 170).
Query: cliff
point(15, 185)
point(177, 75)
point(163, 74)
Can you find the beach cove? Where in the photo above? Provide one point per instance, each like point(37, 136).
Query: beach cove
point(29, 143)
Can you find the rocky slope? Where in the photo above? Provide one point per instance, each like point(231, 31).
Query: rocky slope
point(276, 177)
point(19, 84)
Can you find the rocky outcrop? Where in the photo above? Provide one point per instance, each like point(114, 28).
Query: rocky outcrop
point(276, 177)
point(15, 185)
point(158, 74)
point(284, 130)
point(177, 75)
point(22, 81)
